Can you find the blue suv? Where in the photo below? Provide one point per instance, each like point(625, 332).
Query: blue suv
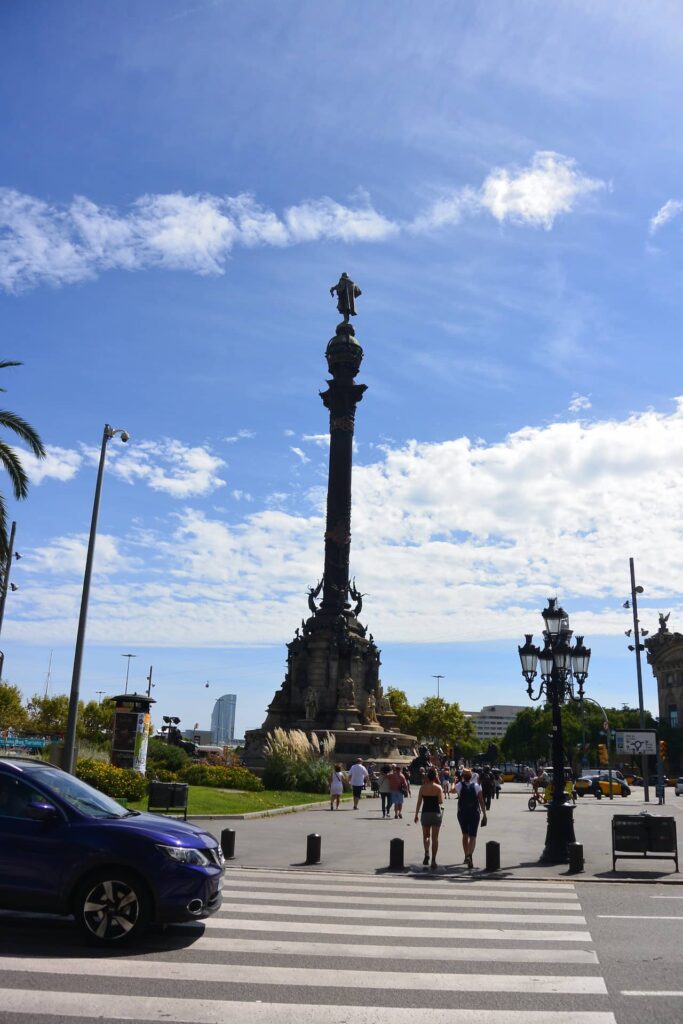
point(66, 848)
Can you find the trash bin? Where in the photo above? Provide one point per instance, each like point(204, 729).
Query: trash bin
point(167, 796)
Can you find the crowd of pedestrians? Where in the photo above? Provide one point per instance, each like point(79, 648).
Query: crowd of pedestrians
point(474, 791)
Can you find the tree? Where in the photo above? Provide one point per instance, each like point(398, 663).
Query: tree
point(12, 711)
point(95, 722)
point(47, 715)
point(434, 720)
point(403, 710)
point(12, 463)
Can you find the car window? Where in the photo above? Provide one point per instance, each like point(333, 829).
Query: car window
point(15, 797)
point(80, 795)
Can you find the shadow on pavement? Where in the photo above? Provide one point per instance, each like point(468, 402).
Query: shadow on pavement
point(48, 935)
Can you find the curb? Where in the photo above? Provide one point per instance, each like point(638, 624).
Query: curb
point(259, 814)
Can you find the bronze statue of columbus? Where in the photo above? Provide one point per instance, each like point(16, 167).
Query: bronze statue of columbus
point(347, 293)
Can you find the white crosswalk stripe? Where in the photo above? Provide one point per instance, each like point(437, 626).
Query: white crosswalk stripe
point(294, 948)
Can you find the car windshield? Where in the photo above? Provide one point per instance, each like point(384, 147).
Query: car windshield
point(79, 795)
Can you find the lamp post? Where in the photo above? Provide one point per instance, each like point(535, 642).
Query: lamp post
point(638, 647)
point(561, 667)
point(70, 738)
point(438, 681)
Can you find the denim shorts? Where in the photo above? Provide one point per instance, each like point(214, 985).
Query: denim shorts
point(397, 797)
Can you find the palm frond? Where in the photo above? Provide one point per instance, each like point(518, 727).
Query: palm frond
point(24, 430)
point(4, 539)
point(4, 363)
point(16, 472)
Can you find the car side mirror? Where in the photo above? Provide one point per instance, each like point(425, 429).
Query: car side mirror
point(40, 811)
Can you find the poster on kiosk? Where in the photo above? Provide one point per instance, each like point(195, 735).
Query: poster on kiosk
point(132, 722)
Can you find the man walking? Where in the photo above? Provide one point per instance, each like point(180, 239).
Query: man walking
point(358, 775)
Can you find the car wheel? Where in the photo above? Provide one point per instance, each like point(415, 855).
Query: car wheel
point(112, 907)
point(580, 792)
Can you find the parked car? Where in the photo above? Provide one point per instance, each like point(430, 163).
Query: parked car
point(587, 783)
point(679, 787)
point(66, 848)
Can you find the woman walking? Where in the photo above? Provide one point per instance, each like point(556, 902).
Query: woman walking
point(470, 803)
point(430, 800)
point(385, 791)
point(336, 787)
point(397, 786)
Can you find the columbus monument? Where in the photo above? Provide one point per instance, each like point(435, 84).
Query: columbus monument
point(332, 682)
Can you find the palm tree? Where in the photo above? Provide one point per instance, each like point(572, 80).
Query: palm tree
point(11, 461)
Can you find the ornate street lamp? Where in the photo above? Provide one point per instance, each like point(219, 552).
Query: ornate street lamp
point(563, 669)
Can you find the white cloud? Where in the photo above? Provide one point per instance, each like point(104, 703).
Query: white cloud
point(66, 555)
point(301, 454)
point(58, 464)
point(322, 440)
point(168, 466)
point(672, 208)
point(477, 534)
point(579, 402)
point(42, 242)
point(538, 193)
point(241, 435)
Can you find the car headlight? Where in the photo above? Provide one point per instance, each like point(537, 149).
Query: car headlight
point(186, 855)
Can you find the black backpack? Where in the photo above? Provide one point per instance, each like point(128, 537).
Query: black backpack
point(468, 799)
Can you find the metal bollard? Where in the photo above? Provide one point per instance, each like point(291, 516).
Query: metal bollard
point(492, 855)
point(396, 855)
point(313, 842)
point(575, 851)
point(228, 843)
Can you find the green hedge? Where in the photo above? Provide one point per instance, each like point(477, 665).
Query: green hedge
point(221, 778)
point(115, 782)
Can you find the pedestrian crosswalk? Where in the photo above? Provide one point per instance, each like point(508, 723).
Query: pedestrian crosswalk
point(298, 947)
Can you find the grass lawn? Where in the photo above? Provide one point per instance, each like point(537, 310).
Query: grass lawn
point(207, 800)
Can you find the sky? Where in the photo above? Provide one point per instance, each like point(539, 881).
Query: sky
point(180, 185)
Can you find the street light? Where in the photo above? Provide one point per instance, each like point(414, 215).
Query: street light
point(438, 681)
point(563, 667)
point(70, 738)
point(637, 647)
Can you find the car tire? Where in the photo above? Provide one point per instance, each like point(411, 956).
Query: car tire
point(112, 907)
point(581, 793)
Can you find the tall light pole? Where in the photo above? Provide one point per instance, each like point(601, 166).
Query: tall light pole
point(638, 647)
point(70, 738)
point(129, 656)
point(561, 667)
point(438, 680)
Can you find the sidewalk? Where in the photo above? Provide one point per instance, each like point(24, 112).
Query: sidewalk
point(358, 841)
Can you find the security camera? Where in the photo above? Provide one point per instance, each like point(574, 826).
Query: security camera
point(124, 436)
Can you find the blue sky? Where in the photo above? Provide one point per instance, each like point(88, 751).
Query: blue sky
point(180, 185)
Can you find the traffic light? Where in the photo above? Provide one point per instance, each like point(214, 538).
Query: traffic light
point(603, 756)
point(663, 750)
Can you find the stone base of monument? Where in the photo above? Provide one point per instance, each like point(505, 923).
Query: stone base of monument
point(377, 746)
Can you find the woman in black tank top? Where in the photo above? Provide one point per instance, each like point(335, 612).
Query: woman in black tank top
point(430, 801)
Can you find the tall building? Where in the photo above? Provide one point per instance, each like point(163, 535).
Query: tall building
point(223, 719)
point(492, 721)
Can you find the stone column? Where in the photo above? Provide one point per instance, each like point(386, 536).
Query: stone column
point(344, 356)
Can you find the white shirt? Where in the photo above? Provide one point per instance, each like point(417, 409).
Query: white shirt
point(358, 773)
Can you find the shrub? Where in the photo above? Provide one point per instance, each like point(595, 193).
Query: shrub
point(221, 778)
point(293, 761)
point(115, 782)
point(165, 755)
point(161, 775)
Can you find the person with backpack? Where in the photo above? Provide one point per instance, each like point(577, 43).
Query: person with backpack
point(470, 809)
